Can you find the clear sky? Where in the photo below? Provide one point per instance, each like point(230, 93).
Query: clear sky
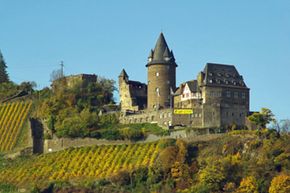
point(104, 36)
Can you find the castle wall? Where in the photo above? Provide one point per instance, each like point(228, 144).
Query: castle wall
point(234, 106)
point(161, 117)
point(211, 106)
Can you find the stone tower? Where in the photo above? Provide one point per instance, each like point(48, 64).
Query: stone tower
point(161, 76)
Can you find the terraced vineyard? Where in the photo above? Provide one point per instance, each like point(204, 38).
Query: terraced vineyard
point(80, 163)
point(12, 118)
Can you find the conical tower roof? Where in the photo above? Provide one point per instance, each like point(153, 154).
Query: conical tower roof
point(160, 48)
point(161, 53)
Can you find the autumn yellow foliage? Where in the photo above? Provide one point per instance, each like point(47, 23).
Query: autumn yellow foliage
point(280, 184)
point(248, 185)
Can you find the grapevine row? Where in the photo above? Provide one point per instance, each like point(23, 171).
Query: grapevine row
point(82, 163)
point(12, 118)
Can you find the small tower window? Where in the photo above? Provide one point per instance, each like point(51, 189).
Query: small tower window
point(157, 91)
point(157, 73)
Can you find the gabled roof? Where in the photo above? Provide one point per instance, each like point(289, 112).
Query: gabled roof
point(222, 75)
point(192, 85)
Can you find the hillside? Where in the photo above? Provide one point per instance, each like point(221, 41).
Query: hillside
point(240, 161)
point(13, 116)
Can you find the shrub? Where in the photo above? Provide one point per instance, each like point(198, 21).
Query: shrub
point(111, 134)
point(132, 134)
point(248, 184)
point(7, 188)
point(280, 184)
point(213, 176)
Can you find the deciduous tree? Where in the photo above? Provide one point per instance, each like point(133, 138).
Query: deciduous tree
point(248, 185)
point(262, 118)
point(3, 73)
point(280, 184)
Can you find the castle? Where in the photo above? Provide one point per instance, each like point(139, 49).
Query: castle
point(217, 98)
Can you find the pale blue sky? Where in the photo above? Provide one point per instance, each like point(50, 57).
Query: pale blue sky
point(102, 37)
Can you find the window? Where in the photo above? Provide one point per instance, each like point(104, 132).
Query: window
point(228, 94)
point(210, 81)
point(157, 91)
point(243, 95)
point(236, 95)
point(157, 73)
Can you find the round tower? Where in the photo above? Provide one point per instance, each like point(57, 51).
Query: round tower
point(161, 76)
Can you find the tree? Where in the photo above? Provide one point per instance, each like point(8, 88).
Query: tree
point(56, 74)
point(28, 86)
point(248, 185)
point(213, 176)
point(280, 184)
point(282, 125)
point(262, 118)
point(3, 73)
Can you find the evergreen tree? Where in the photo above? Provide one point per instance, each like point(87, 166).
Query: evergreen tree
point(3, 73)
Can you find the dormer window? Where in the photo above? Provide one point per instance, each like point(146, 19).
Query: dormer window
point(210, 74)
point(166, 58)
point(210, 81)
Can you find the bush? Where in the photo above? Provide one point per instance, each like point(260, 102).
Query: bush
point(147, 128)
point(280, 183)
point(7, 188)
point(163, 143)
point(111, 134)
point(132, 134)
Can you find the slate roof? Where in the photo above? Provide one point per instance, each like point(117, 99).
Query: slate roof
point(136, 83)
point(192, 84)
point(124, 73)
point(222, 75)
point(161, 53)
